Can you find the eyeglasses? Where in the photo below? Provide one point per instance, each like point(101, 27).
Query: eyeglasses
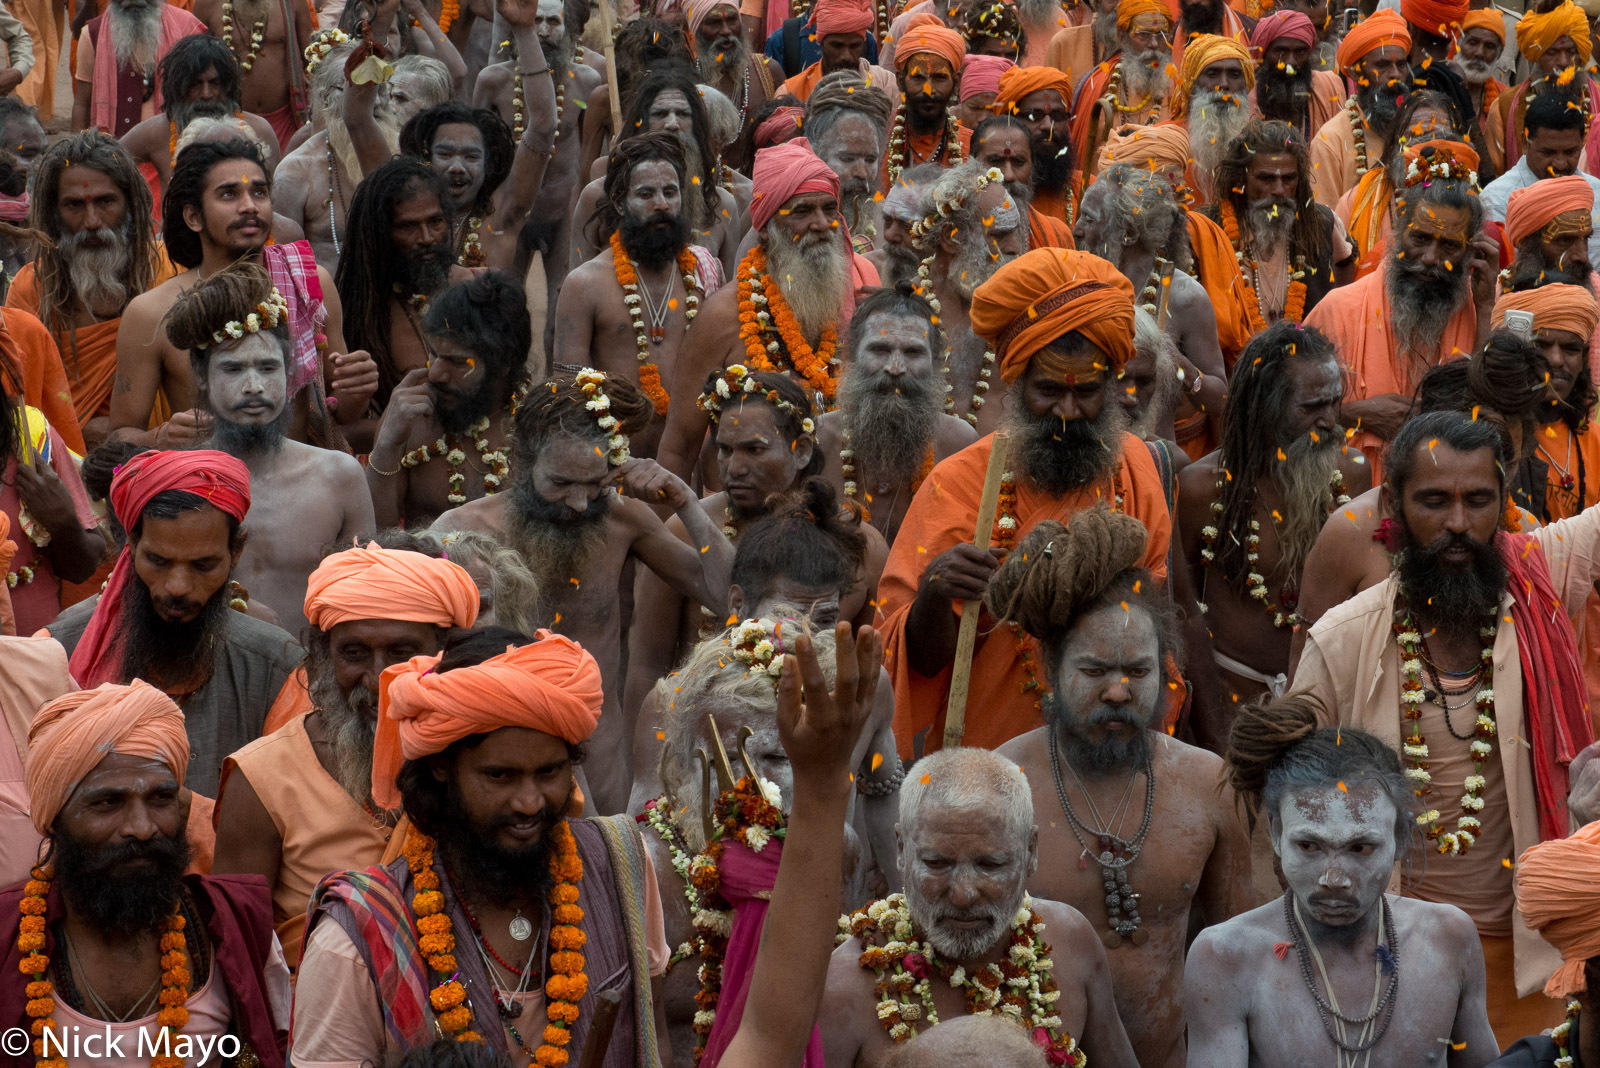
point(1149, 38)
point(1057, 117)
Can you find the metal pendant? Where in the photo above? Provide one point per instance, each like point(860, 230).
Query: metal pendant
point(521, 927)
point(1111, 938)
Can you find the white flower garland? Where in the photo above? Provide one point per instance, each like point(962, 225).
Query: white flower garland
point(592, 383)
point(268, 315)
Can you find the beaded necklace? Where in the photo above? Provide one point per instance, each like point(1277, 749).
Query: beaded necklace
point(658, 815)
point(1358, 131)
point(470, 245)
point(900, 156)
point(333, 190)
point(1114, 85)
point(1294, 307)
point(1385, 959)
point(628, 279)
point(763, 311)
point(847, 459)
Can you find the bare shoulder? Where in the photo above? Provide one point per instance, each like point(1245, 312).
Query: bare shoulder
point(1070, 934)
point(1197, 772)
point(594, 271)
point(493, 79)
point(634, 516)
point(1197, 481)
point(830, 432)
point(951, 435)
point(720, 311)
point(484, 515)
point(1024, 747)
point(1187, 292)
point(587, 77)
point(143, 137)
point(1237, 944)
point(778, 77)
point(260, 125)
point(1449, 929)
point(1356, 471)
point(331, 463)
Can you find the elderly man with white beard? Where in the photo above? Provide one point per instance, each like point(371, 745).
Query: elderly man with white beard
point(1483, 39)
point(806, 275)
point(890, 428)
point(1212, 100)
point(896, 257)
point(847, 123)
point(118, 53)
point(1131, 86)
point(968, 847)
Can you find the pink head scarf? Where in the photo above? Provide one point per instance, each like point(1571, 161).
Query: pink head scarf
point(1280, 24)
point(981, 74)
point(784, 172)
point(842, 16)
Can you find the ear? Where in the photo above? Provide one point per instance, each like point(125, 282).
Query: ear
point(948, 244)
point(803, 446)
point(193, 218)
point(1033, 851)
point(237, 551)
point(736, 601)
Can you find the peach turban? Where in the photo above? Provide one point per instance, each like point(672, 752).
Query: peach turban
point(982, 74)
point(1536, 33)
point(1037, 297)
point(1280, 24)
point(1128, 10)
point(783, 172)
point(550, 685)
point(1377, 30)
point(842, 16)
point(1161, 149)
point(1442, 18)
point(1199, 52)
point(1532, 207)
point(1489, 19)
point(1427, 160)
point(697, 10)
point(1558, 894)
point(1555, 307)
point(1019, 83)
point(73, 733)
point(926, 34)
point(376, 583)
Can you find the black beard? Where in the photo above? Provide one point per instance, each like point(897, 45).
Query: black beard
point(250, 439)
point(458, 409)
point(1381, 105)
point(530, 507)
point(1201, 18)
point(1061, 457)
point(424, 269)
point(558, 56)
point(655, 240)
point(116, 901)
point(1576, 272)
point(1454, 600)
point(163, 652)
point(492, 873)
point(1052, 163)
point(1284, 96)
point(1093, 758)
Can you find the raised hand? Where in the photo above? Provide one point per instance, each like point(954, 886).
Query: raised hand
point(354, 381)
point(819, 728)
point(184, 429)
point(518, 13)
point(410, 406)
point(651, 483)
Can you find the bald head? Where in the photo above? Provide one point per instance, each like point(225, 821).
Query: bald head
point(968, 1040)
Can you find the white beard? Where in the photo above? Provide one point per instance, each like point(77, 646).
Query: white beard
point(1213, 123)
point(1145, 74)
point(135, 34)
point(1475, 72)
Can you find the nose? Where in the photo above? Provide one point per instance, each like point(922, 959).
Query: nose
point(1334, 877)
point(671, 124)
point(1066, 409)
point(1456, 520)
point(433, 233)
point(139, 824)
point(896, 367)
point(92, 219)
point(1118, 690)
point(963, 893)
point(578, 498)
point(438, 372)
point(528, 799)
point(1010, 244)
point(660, 203)
point(859, 170)
point(177, 583)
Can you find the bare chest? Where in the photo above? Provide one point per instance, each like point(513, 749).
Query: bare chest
point(407, 350)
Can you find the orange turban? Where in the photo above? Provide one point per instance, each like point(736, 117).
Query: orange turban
point(1162, 149)
point(1558, 894)
point(1535, 33)
point(1442, 18)
point(926, 33)
point(1556, 306)
point(1377, 30)
point(841, 16)
point(1429, 160)
point(1199, 52)
point(1019, 83)
point(375, 583)
point(73, 733)
point(1128, 10)
point(1532, 207)
point(1488, 18)
point(550, 685)
point(1037, 297)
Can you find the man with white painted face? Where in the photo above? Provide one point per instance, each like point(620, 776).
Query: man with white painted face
point(1143, 842)
point(968, 848)
point(1384, 980)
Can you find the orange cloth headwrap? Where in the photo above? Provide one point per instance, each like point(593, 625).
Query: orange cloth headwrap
point(1535, 33)
point(1488, 18)
point(1048, 292)
point(927, 34)
point(1199, 52)
point(1556, 306)
point(1558, 894)
point(1426, 160)
point(1162, 149)
point(1128, 10)
point(1019, 83)
point(375, 583)
point(73, 733)
point(1377, 30)
point(1532, 207)
point(1442, 18)
point(550, 685)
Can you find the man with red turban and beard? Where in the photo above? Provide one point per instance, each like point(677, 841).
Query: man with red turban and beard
point(297, 804)
point(727, 64)
point(1061, 326)
point(1287, 88)
point(165, 616)
point(807, 274)
point(841, 27)
point(110, 937)
point(1465, 619)
point(1375, 55)
point(1557, 46)
point(479, 745)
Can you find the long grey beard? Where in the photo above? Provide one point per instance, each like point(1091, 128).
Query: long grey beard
point(1145, 73)
point(1305, 478)
point(974, 265)
point(1215, 119)
point(559, 56)
point(349, 724)
point(1035, 12)
point(811, 279)
point(726, 57)
point(890, 432)
point(1105, 34)
point(900, 265)
point(344, 150)
point(183, 112)
point(135, 34)
point(1418, 316)
point(1271, 220)
point(1474, 72)
point(99, 275)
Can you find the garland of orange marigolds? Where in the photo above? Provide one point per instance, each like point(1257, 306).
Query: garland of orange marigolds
point(628, 279)
point(1294, 306)
point(762, 310)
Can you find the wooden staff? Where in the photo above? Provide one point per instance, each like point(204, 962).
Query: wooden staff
point(607, 1005)
point(608, 32)
point(955, 713)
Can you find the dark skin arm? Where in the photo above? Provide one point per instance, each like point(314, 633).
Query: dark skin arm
point(960, 573)
point(248, 841)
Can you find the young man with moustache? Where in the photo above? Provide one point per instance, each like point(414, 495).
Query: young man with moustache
point(1042, 98)
point(927, 68)
point(269, 38)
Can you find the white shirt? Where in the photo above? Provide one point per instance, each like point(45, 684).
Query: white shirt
point(1497, 194)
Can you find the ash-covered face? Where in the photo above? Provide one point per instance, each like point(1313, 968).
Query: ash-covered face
point(247, 383)
point(1337, 847)
point(964, 877)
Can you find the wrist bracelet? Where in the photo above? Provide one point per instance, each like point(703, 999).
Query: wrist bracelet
point(380, 472)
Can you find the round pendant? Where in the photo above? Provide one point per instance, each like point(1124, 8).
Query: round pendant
point(521, 928)
point(1139, 937)
point(1111, 939)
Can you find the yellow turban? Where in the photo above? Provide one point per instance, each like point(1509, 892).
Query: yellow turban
point(1199, 52)
point(1536, 33)
point(1128, 10)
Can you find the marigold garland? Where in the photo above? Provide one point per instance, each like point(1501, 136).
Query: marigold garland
point(628, 279)
point(173, 1015)
point(1294, 305)
point(448, 13)
point(567, 983)
point(760, 312)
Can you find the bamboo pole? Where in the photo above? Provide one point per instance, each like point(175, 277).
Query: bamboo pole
point(608, 22)
point(955, 715)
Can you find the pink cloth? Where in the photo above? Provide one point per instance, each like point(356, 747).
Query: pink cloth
point(841, 16)
point(781, 126)
point(783, 172)
point(744, 875)
point(175, 23)
point(293, 268)
point(981, 74)
point(1291, 24)
point(14, 209)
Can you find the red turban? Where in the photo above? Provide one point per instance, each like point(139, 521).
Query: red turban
point(1128, 10)
point(782, 125)
point(1019, 83)
point(550, 685)
point(1489, 19)
point(1558, 894)
point(1048, 292)
point(925, 33)
point(1536, 33)
point(982, 74)
point(1378, 30)
point(1532, 207)
point(1442, 18)
point(1555, 307)
point(841, 16)
point(1199, 52)
point(216, 476)
point(784, 172)
point(1280, 24)
point(73, 733)
point(375, 583)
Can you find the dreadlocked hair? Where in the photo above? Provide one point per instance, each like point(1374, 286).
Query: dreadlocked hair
point(1276, 746)
point(557, 406)
point(1311, 236)
point(1058, 573)
point(1503, 385)
point(1410, 132)
point(186, 189)
point(1146, 202)
point(664, 77)
point(1257, 400)
point(229, 295)
point(191, 57)
point(99, 152)
point(806, 538)
point(839, 94)
point(416, 140)
point(626, 155)
point(641, 46)
point(366, 277)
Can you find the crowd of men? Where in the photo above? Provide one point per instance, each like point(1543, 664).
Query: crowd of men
point(848, 533)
